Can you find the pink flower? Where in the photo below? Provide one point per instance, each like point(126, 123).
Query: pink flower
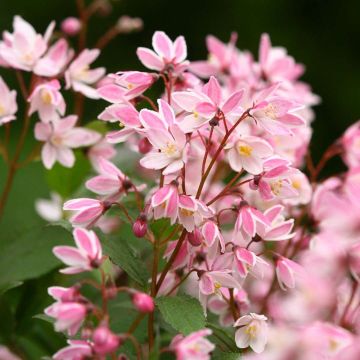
point(276, 115)
point(47, 100)
point(275, 64)
point(287, 271)
point(87, 211)
point(168, 55)
point(143, 302)
point(279, 228)
point(253, 332)
point(127, 85)
point(69, 316)
point(111, 181)
point(55, 60)
point(165, 202)
point(169, 142)
point(77, 350)
point(105, 341)
point(128, 118)
point(8, 105)
point(62, 294)
point(212, 281)
point(86, 257)
point(248, 219)
point(23, 48)
point(351, 144)
point(193, 346)
point(71, 26)
point(192, 212)
point(221, 57)
point(248, 153)
point(207, 104)
point(246, 261)
point(60, 137)
point(275, 182)
point(212, 235)
point(80, 77)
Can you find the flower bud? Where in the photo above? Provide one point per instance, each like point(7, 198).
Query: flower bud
point(143, 302)
point(195, 237)
point(104, 340)
point(71, 26)
point(144, 146)
point(140, 226)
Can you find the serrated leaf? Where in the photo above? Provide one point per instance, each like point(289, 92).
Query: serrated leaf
point(64, 180)
point(184, 313)
point(28, 254)
point(121, 254)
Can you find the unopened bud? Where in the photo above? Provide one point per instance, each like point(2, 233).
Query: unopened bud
point(144, 146)
point(143, 302)
point(104, 340)
point(140, 226)
point(195, 237)
point(71, 26)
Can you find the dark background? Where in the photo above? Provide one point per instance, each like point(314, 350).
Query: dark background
point(323, 35)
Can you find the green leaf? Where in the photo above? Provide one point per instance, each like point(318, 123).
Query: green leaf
point(223, 337)
point(28, 254)
point(4, 288)
point(184, 313)
point(123, 255)
point(44, 318)
point(98, 126)
point(67, 180)
point(222, 355)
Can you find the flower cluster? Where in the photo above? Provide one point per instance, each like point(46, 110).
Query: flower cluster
point(218, 161)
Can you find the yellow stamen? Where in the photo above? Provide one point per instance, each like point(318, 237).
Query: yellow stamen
point(170, 149)
point(251, 330)
point(276, 187)
point(46, 97)
point(271, 111)
point(130, 86)
point(244, 150)
point(186, 212)
point(196, 114)
point(2, 110)
point(296, 184)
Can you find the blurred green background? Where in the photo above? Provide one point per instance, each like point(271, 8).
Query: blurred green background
point(321, 34)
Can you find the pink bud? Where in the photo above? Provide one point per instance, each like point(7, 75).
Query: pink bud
point(105, 341)
point(71, 26)
point(144, 146)
point(127, 24)
point(195, 238)
point(143, 302)
point(140, 226)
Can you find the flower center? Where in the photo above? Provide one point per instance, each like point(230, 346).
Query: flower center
point(244, 150)
point(276, 187)
point(170, 149)
point(186, 212)
point(251, 330)
point(46, 97)
point(56, 140)
point(271, 111)
point(296, 184)
point(130, 86)
point(196, 114)
point(2, 110)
